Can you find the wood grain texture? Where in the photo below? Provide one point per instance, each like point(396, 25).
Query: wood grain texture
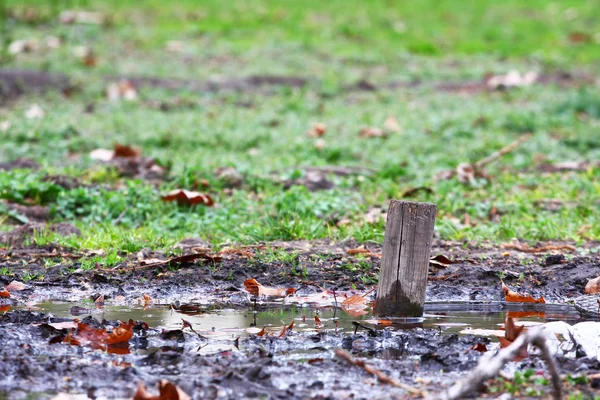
point(405, 260)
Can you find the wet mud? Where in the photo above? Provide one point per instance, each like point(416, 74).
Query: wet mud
point(230, 360)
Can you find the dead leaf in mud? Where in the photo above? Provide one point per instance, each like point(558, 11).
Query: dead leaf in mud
point(593, 286)
point(317, 130)
point(15, 286)
point(362, 251)
point(256, 289)
point(380, 322)
point(123, 90)
point(372, 132)
point(86, 335)
point(99, 302)
point(514, 297)
point(318, 323)
point(188, 197)
point(167, 391)
point(4, 294)
point(511, 332)
point(441, 261)
point(4, 309)
point(283, 333)
point(262, 332)
point(126, 151)
point(234, 251)
point(480, 347)
point(356, 305)
point(391, 125)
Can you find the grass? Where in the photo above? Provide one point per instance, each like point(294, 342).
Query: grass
point(262, 134)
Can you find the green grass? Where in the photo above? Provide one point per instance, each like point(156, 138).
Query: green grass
point(262, 134)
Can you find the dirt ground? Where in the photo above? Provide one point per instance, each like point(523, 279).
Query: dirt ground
point(301, 364)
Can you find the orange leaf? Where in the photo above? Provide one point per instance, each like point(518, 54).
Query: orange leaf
point(514, 297)
point(481, 347)
point(4, 309)
point(291, 326)
point(362, 251)
point(283, 332)
point(4, 293)
point(256, 289)
point(167, 390)
point(511, 330)
point(262, 332)
point(318, 322)
point(592, 287)
point(188, 197)
point(15, 286)
point(126, 151)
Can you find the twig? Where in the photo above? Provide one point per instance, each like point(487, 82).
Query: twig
point(383, 378)
point(117, 221)
point(541, 249)
point(489, 365)
point(506, 149)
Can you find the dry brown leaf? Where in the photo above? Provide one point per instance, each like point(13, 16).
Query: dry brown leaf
point(167, 391)
point(391, 125)
point(318, 323)
point(16, 286)
point(123, 90)
point(593, 286)
point(541, 249)
point(514, 297)
point(4, 294)
point(256, 289)
point(317, 130)
point(188, 197)
point(262, 332)
point(441, 261)
point(479, 347)
point(126, 151)
point(372, 132)
point(361, 250)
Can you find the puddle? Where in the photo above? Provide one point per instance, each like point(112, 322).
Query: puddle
point(224, 325)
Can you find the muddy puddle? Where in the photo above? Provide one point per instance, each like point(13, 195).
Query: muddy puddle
point(261, 350)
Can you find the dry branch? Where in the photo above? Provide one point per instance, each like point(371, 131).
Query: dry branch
point(383, 378)
point(489, 366)
point(506, 149)
point(541, 249)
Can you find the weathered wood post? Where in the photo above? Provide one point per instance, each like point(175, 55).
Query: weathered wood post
point(405, 259)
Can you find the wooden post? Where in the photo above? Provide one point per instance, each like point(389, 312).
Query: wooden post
point(405, 259)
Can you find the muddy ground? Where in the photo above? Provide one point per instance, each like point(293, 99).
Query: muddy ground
point(302, 363)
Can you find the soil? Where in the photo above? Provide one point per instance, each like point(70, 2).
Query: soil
point(15, 83)
point(300, 365)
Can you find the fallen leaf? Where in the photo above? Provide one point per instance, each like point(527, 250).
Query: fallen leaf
point(579, 37)
point(479, 347)
point(511, 331)
point(102, 154)
point(63, 325)
point(34, 112)
point(371, 132)
point(362, 251)
point(441, 261)
point(256, 289)
point(188, 197)
point(16, 286)
point(122, 90)
point(22, 46)
point(283, 333)
point(4, 309)
point(167, 391)
point(86, 335)
point(262, 332)
point(391, 125)
point(126, 151)
point(317, 130)
point(514, 297)
point(4, 294)
point(592, 287)
point(82, 17)
point(380, 322)
point(512, 79)
point(99, 302)
point(318, 323)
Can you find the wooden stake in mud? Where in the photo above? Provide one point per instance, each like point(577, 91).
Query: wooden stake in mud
point(405, 259)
